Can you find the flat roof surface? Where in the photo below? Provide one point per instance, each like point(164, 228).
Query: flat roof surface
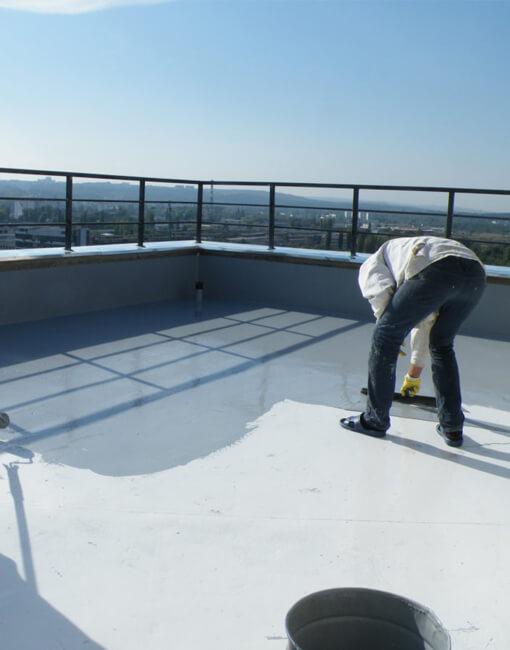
point(179, 480)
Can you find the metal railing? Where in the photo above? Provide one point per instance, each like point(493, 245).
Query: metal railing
point(269, 230)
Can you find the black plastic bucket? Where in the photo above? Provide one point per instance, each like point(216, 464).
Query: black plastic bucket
point(363, 619)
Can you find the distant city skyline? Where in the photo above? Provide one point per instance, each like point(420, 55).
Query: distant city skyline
point(387, 92)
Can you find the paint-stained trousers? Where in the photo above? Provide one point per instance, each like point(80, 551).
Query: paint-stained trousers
point(452, 286)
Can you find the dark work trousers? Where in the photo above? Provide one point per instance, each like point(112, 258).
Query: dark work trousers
point(452, 286)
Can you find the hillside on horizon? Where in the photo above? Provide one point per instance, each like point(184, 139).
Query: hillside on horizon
point(48, 188)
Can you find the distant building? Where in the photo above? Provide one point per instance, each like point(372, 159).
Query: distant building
point(364, 222)
point(40, 236)
point(47, 236)
point(7, 237)
point(18, 207)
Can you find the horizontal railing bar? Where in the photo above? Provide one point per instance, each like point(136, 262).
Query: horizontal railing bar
point(260, 225)
point(132, 201)
point(85, 200)
point(173, 223)
point(32, 224)
point(314, 207)
point(235, 204)
point(78, 223)
point(486, 242)
point(234, 223)
point(485, 217)
point(417, 213)
point(464, 215)
point(313, 229)
point(172, 202)
point(394, 233)
point(350, 186)
point(101, 224)
point(105, 200)
point(30, 199)
point(333, 231)
point(117, 177)
point(359, 186)
point(362, 209)
point(414, 213)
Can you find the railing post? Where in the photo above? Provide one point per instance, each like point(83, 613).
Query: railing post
point(354, 222)
point(272, 189)
point(69, 213)
point(449, 216)
point(141, 212)
point(200, 206)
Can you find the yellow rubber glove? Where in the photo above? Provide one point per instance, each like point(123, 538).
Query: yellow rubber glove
point(410, 387)
point(401, 352)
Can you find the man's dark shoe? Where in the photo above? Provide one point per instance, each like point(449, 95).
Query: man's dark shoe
point(452, 438)
point(357, 423)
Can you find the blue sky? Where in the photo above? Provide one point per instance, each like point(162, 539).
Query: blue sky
point(408, 92)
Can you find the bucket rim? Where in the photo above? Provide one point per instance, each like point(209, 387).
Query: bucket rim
point(363, 591)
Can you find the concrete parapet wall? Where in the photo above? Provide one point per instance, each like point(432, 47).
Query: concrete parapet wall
point(287, 284)
point(332, 289)
point(34, 288)
point(62, 289)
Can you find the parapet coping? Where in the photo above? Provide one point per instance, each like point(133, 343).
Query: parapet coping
point(40, 258)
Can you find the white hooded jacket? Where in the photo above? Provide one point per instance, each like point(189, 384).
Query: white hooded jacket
point(396, 261)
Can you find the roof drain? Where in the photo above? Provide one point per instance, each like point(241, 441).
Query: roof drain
point(354, 618)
